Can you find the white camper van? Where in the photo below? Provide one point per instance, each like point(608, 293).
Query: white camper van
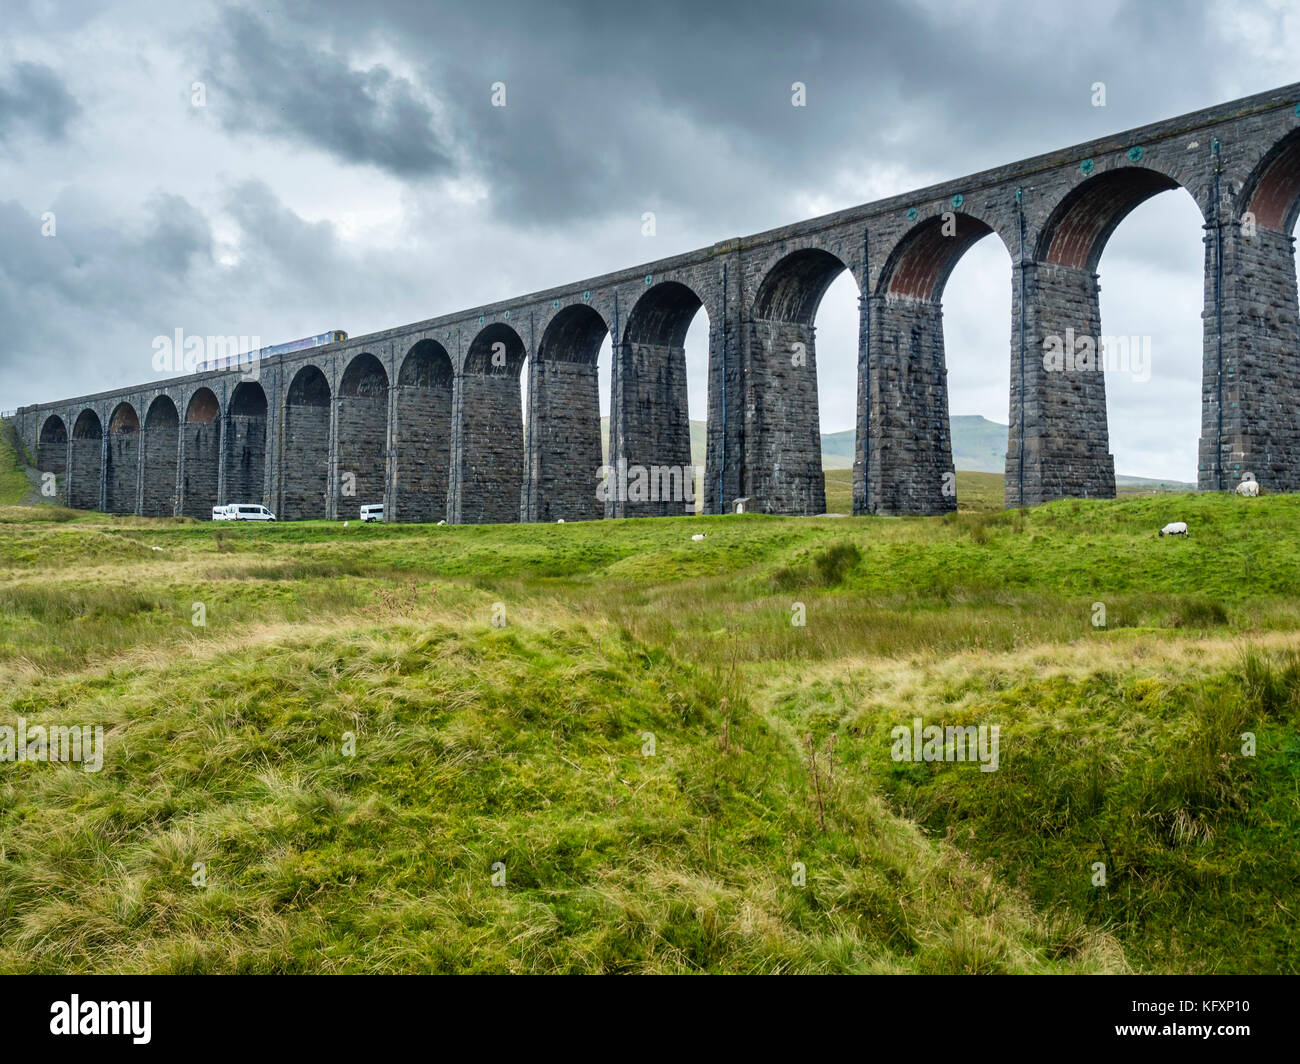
point(248, 512)
point(372, 513)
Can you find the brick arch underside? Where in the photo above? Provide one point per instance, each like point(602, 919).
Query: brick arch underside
point(422, 433)
point(304, 475)
point(122, 460)
point(160, 447)
point(565, 447)
point(362, 430)
point(653, 431)
point(243, 441)
point(492, 427)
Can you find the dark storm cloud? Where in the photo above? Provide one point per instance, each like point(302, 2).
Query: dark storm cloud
point(687, 106)
point(33, 99)
point(280, 84)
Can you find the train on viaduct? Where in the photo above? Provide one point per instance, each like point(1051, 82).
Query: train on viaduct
point(428, 418)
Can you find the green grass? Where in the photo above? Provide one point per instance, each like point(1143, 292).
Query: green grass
point(526, 743)
point(13, 478)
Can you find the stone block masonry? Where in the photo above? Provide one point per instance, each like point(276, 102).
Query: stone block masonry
point(200, 465)
point(428, 417)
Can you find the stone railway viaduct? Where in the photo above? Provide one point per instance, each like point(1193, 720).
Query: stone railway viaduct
point(427, 417)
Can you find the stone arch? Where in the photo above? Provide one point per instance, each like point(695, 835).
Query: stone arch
point(650, 429)
point(1272, 191)
point(1251, 423)
point(122, 464)
point(564, 433)
point(908, 427)
point(87, 426)
point(919, 265)
point(662, 315)
point(793, 287)
point(200, 479)
point(86, 468)
point(1059, 406)
point(203, 408)
point(304, 476)
point(245, 444)
point(52, 446)
point(1078, 227)
point(422, 433)
point(492, 429)
point(496, 350)
point(783, 358)
point(362, 430)
point(161, 443)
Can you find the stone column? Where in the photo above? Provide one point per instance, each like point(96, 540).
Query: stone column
point(1065, 451)
point(564, 449)
point(903, 427)
point(782, 434)
point(1251, 385)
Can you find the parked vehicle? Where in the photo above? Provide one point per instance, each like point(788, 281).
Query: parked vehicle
point(248, 512)
point(220, 513)
point(372, 513)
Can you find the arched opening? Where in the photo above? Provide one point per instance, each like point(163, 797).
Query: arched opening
point(201, 455)
point(1259, 426)
point(564, 442)
point(85, 474)
point(788, 401)
point(422, 433)
point(653, 469)
point(913, 471)
point(362, 436)
point(976, 308)
point(1133, 329)
point(52, 446)
point(246, 444)
point(304, 476)
point(121, 474)
point(492, 428)
point(161, 443)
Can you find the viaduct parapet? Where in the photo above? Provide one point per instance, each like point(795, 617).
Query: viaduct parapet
point(428, 419)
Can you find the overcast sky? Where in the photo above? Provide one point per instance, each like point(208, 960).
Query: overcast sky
point(348, 170)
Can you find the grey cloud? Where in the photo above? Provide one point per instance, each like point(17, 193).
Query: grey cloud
point(33, 98)
point(288, 87)
point(687, 106)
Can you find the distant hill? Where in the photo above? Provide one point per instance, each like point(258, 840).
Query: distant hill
point(978, 445)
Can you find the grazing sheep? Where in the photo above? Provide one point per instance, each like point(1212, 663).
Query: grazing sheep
point(442, 522)
point(1248, 488)
point(559, 521)
point(1174, 528)
point(698, 536)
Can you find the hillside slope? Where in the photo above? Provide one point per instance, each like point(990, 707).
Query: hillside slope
point(372, 722)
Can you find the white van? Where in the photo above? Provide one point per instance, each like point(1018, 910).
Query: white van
point(219, 513)
point(372, 513)
point(248, 512)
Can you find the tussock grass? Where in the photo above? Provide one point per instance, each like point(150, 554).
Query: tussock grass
point(523, 743)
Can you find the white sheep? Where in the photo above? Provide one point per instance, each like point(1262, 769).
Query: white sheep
point(698, 536)
point(1248, 488)
point(1174, 528)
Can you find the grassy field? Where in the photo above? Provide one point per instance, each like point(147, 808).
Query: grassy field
point(607, 747)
